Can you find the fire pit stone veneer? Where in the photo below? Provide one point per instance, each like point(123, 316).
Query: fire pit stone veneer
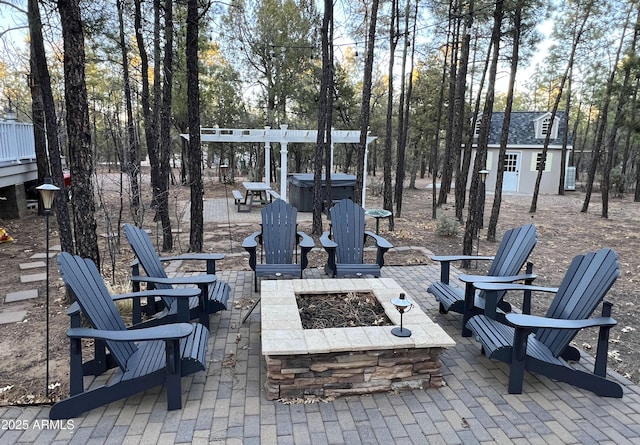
point(344, 361)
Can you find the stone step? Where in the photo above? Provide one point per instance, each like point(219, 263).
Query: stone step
point(12, 317)
point(39, 256)
point(21, 295)
point(33, 265)
point(33, 277)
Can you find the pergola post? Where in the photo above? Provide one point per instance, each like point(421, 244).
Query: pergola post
point(267, 159)
point(332, 147)
point(364, 176)
point(283, 162)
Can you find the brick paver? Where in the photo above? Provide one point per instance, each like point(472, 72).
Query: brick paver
point(226, 405)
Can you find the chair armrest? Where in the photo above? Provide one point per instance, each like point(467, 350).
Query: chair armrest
point(380, 241)
point(535, 322)
point(493, 279)
point(177, 293)
point(195, 257)
point(327, 242)
point(513, 286)
point(450, 258)
point(74, 309)
point(171, 331)
point(445, 263)
point(251, 242)
point(306, 242)
point(210, 258)
point(193, 279)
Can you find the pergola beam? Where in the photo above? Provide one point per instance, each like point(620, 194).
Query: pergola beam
point(282, 136)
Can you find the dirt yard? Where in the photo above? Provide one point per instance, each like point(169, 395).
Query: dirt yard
point(563, 232)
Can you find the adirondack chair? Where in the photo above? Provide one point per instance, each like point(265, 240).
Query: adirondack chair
point(542, 344)
point(145, 358)
point(278, 238)
point(217, 291)
point(345, 242)
point(515, 247)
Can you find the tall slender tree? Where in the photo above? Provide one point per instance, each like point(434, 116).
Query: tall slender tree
point(577, 34)
point(325, 119)
point(387, 186)
point(603, 122)
point(472, 226)
point(165, 129)
point(504, 137)
point(133, 148)
point(41, 84)
point(195, 148)
point(78, 130)
point(365, 106)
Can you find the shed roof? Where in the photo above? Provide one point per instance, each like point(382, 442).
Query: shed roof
point(522, 130)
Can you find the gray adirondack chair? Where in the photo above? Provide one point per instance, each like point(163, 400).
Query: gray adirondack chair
point(145, 358)
point(346, 239)
point(542, 344)
point(278, 238)
point(215, 293)
point(506, 266)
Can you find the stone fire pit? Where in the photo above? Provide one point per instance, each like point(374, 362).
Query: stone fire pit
point(344, 361)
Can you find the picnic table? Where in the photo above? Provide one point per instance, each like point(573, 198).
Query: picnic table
point(255, 192)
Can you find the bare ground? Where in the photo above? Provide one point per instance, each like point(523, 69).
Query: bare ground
point(564, 231)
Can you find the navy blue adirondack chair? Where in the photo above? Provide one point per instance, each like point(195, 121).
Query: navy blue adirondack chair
point(215, 293)
point(278, 238)
point(542, 344)
point(145, 358)
point(506, 266)
point(346, 240)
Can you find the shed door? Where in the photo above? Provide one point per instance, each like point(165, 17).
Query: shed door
point(511, 171)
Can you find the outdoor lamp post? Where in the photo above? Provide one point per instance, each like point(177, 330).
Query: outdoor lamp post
point(483, 194)
point(480, 206)
point(47, 194)
point(224, 168)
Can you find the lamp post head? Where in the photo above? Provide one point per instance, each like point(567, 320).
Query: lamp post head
point(47, 193)
point(483, 174)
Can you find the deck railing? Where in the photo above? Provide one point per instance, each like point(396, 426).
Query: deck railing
point(16, 142)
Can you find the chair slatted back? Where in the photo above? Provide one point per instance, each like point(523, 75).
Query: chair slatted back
point(83, 280)
point(515, 247)
point(347, 226)
point(279, 232)
point(143, 248)
point(587, 281)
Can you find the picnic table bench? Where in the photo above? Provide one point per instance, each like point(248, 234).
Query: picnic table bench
point(240, 201)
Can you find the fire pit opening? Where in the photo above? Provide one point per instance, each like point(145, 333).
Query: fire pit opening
point(340, 310)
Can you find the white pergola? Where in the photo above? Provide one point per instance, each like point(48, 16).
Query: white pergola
point(283, 136)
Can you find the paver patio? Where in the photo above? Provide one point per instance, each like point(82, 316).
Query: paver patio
point(226, 403)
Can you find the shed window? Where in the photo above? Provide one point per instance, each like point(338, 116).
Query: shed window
point(537, 159)
point(545, 126)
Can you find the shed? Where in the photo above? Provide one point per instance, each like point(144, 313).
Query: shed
point(527, 132)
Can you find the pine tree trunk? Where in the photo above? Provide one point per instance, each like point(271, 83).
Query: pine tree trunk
point(195, 148)
point(42, 83)
point(78, 131)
